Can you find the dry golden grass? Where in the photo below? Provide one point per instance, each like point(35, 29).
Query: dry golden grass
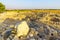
point(32, 13)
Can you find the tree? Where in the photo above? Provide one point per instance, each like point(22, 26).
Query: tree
point(2, 8)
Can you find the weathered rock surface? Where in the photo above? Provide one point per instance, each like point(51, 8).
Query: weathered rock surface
point(41, 25)
point(22, 29)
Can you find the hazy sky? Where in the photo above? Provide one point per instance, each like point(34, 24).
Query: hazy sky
point(31, 4)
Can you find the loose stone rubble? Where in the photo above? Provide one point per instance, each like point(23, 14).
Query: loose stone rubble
point(27, 30)
point(31, 30)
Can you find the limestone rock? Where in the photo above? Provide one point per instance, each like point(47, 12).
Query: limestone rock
point(22, 29)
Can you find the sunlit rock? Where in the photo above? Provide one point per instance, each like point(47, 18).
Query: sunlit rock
point(22, 29)
point(21, 17)
point(11, 26)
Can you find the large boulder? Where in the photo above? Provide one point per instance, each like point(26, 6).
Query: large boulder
point(22, 29)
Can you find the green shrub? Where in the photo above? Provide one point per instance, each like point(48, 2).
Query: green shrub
point(2, 8)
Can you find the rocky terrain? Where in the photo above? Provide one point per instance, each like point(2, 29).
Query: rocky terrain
point(40, 26)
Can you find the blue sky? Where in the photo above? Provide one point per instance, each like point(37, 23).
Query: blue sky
point(31, 4)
